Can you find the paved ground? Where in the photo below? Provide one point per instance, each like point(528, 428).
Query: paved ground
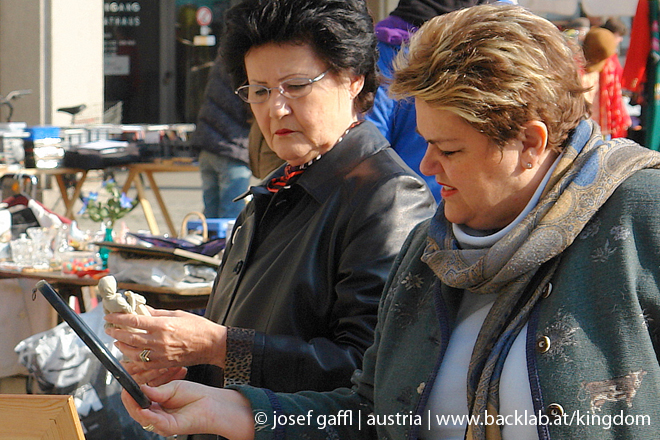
point(181, 192)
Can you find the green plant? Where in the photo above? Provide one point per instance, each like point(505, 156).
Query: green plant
point(110, 209)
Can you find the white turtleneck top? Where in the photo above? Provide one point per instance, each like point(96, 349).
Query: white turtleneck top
point(446, 413)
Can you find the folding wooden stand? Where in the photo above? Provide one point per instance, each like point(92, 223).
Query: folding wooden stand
point(135, 170)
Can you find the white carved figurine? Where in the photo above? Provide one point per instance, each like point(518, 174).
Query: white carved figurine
point(113, 301)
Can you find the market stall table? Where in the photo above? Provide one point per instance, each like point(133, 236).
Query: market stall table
point(68, 285)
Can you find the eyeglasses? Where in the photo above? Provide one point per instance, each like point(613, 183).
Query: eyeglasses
point(293, 88)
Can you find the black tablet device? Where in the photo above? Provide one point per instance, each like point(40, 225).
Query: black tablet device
point(94, 343)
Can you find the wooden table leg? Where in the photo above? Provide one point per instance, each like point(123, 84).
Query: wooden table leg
point(65, 197)
point(134, 179)
point(129, 180)
point(69, 202)
point(76, 194)
point(161, 203)
point(146, 208)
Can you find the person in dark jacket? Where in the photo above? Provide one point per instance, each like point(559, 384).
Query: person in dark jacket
point(294, 303)
point(222, 138)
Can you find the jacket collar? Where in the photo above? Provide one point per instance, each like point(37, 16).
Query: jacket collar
point(322, 178)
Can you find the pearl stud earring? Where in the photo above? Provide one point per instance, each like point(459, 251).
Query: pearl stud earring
point(528, 165)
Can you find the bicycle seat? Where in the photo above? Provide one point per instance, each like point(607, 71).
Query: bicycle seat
point(72, 110)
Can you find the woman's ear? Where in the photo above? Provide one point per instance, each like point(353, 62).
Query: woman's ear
point(356, 85)
point(534, 137)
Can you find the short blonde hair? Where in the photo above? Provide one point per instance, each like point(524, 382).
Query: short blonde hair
point(497, 67)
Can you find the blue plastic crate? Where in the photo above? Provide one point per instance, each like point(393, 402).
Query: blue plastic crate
point(217, 226)
point(43, 132)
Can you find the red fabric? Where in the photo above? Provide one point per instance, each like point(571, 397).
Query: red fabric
point(278, 183)
point(612, 114)
point(21, 199)
point(634, 72)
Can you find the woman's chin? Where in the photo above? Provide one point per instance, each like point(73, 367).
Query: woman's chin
point(454, 217)
point(294, 156)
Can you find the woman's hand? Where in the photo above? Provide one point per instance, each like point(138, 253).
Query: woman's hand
point(142, 374)
point(183, 407)
point(165, 340)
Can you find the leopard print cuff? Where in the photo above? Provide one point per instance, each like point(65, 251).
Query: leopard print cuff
point(238, 363)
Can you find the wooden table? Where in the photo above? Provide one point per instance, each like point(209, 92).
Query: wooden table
point(59, 174)
point(158, 297)
point(135, 171)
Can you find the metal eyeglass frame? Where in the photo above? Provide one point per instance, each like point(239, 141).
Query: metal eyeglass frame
point(283, 92)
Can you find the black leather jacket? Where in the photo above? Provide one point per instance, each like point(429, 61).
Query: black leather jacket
point(306, 267)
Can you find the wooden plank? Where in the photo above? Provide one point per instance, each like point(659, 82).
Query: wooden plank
point(35, 416)
point(160, 252)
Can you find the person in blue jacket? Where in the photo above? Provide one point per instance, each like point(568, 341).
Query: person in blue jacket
point(396, 118)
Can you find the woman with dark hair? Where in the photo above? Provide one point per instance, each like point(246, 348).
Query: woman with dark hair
point(528, 307)
point(295, 301)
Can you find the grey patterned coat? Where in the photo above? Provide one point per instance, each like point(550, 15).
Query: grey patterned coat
point(592, 341)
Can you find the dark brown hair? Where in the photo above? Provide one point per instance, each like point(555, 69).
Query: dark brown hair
point(341, 33)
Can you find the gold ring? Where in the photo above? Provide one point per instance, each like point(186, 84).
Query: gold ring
point(149, 427)
point(144, 356)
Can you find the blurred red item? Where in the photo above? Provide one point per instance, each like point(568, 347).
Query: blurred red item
point(634, 71)
point(21, 199)
point(97, 274)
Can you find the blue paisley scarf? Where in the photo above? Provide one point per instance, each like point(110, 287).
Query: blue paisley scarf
point(587, 174)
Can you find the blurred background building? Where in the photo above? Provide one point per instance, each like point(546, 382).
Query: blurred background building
point(144, 61)
point(128, 61)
